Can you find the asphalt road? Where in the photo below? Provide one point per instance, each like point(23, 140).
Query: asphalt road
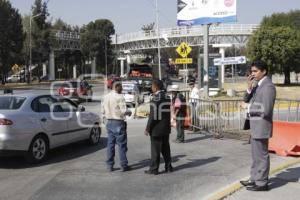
point(202, 166)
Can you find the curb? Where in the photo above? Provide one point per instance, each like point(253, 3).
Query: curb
point(234, 187)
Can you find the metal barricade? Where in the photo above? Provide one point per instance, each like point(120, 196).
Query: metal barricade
point(286, 110)
point(217, 116)
point(205, 115)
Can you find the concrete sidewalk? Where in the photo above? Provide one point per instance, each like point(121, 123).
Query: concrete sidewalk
point(283, 185)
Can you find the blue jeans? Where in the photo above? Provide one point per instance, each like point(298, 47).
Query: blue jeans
point(116, 131)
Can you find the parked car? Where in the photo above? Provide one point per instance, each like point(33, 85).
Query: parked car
point(76, 90)
point(111, 80)
point(32, 124)
point(13, 78)
point(132, 93)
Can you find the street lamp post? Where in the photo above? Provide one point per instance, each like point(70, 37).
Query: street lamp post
point(158, 37)
point(105, 44)
point(30, 47)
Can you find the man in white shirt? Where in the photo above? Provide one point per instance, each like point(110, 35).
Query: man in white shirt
point(193, 102)
point(114, 110)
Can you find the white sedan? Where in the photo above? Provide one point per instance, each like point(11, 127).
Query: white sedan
point(132, 93)
point(34, 123)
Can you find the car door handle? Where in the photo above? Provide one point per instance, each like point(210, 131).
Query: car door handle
point(43, 119)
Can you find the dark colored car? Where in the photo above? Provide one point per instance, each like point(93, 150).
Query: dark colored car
point(76, 90)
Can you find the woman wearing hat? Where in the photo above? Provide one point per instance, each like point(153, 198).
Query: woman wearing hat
point(179, 112)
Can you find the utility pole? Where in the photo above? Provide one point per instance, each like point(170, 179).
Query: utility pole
point(158, 43)
point(205, 59)
point(30, 47)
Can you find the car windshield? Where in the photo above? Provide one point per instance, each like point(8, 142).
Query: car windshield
point(11, 102)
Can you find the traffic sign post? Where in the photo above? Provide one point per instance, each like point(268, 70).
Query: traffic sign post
point(183, 49)
point(183, 61)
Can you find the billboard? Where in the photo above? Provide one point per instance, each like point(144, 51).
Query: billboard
point(197, 12)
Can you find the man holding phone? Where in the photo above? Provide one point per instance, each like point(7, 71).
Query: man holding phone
point(260, 112)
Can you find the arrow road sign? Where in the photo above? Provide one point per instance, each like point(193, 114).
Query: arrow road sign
point(230, 60)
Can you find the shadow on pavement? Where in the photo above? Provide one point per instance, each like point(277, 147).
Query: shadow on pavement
point(197, 139)
point(196, 163)
point(60, 154)
point(146, 163)
point(285, 177)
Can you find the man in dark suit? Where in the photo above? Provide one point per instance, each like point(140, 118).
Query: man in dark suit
point(159, 128)
point(260, 111)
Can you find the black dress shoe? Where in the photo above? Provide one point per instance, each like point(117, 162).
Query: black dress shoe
point(169, 169)
point(154, 172)
point(125, 169)
point(258, 188)
point(247, 183)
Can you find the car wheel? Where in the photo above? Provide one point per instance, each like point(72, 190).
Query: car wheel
point(95, 135)
point(38, 149)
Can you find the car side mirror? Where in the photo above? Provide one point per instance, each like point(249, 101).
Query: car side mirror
point(81, 108)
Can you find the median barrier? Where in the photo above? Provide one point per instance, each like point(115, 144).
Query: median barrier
point(286, 138)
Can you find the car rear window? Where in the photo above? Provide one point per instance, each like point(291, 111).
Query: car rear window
point(11, 102)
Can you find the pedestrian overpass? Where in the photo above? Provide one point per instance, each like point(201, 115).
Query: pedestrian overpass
point(132, 44)
point(236, 34)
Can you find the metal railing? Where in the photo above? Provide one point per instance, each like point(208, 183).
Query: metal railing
point(219, 116)
point(287, 110)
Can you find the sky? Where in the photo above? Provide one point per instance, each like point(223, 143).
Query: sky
point(130, 15)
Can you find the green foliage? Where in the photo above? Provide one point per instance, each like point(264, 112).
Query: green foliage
point(148, 27)
point(40, 32)
point(95, 37)
point(277, 42)
point(11, 36)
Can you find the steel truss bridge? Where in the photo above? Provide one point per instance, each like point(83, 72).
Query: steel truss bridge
point(236, 34)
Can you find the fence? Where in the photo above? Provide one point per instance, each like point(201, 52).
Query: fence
point(219, 116)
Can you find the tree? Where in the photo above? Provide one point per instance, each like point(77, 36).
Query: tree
point(277, 42)
point(148, 27)
point(278, 47)
point(96, 42)
point(11, 36)
point(40, 33)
